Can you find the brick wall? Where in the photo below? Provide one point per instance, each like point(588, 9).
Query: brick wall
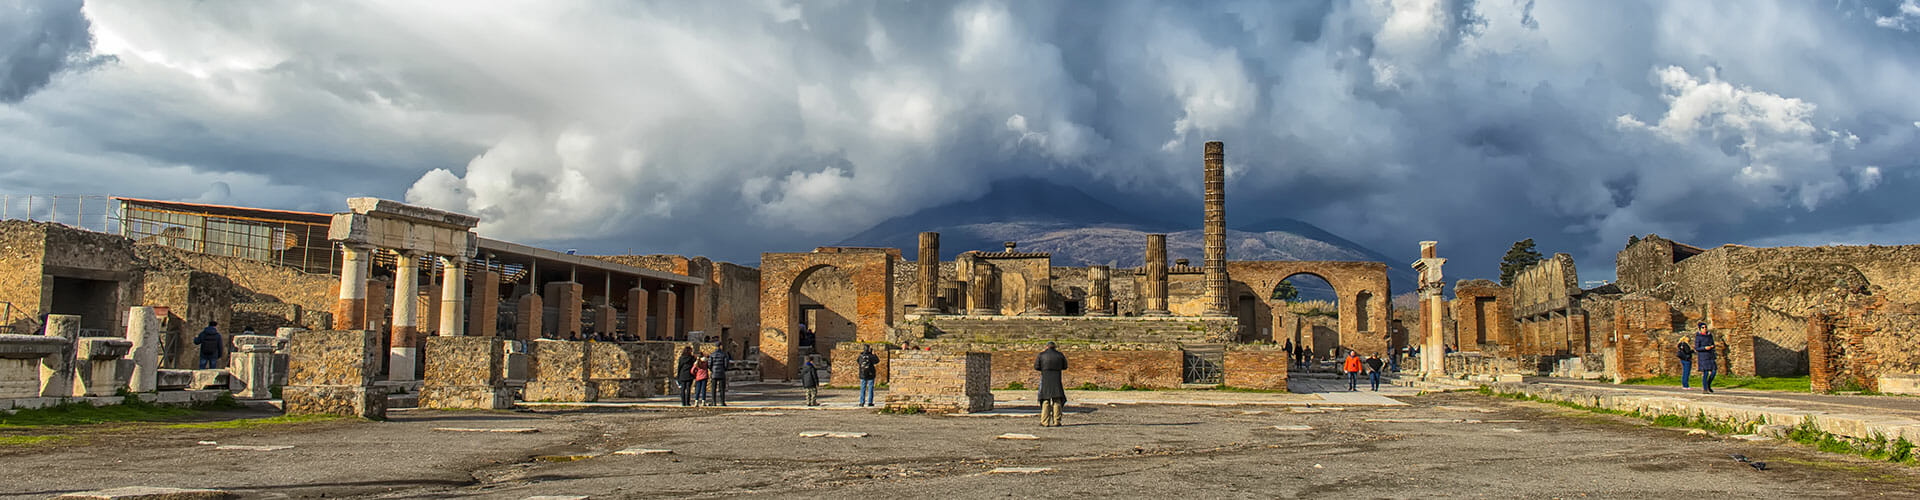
point(1155, 369)
point(941, 381)
point(1644, 327)
point(846, 368)
point(1253, 368)
point(1093, 329)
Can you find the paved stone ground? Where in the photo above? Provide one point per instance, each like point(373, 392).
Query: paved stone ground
point(1439, 445)
point(1902, 406)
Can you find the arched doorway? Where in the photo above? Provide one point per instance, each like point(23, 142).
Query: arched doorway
point(1312, 310)
point(823, 303)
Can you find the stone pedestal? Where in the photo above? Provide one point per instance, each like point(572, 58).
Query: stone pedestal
point(332, 372)
point(465, 372)
point(252, 367)
point(940, 381)
point(20, 357)
point(56, 370)
point(143, 331)
point(98, 369)
point(557, 371)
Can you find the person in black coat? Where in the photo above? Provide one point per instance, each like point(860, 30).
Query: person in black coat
point(210, 345)
point(1053, 393)
point(868, 366)
point(684, 375)
point(717, 386)
point(810, 379)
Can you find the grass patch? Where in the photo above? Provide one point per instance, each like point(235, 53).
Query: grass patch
point(130, 409)
point(250, 423)
point(1797, 384)
point(1016, 386)
point(905, 410)
point(28, 440)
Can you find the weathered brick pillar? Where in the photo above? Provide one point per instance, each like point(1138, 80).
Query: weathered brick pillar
point(143, 329)
point(531, 314)
point(403, 351)
point(484, 312)
point(350, 313)
point(1100, 298)
point(565, 296)
point(1156, 299)
point(637, 313)
point(667, 314)
point(606, 319)
point(929, 257)
point(978, 288)
point(1216, 229)
point(453, 296)
point(56, 371)
point(1820, 351)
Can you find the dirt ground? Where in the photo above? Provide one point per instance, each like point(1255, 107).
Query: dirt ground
point(1498, 449)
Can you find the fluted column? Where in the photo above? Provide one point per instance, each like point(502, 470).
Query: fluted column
point(977, 289)
point(929, 273)
point(1216, 229)
point(403, 351)
point(1156, 276)
point(350, 313)
point(1100, 298)
point(453, 296)
point(1433, 356)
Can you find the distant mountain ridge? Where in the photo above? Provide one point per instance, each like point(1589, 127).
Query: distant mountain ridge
point(1080, 230)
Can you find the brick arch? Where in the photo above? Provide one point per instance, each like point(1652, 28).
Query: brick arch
point(871, 271)
point(1353, 283)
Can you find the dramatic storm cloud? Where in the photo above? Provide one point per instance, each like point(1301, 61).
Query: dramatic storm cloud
point(729, 128)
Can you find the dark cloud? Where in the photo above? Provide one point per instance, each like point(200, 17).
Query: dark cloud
point(38, 39)
point(727, 129)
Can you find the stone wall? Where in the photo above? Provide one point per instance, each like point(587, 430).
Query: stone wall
point(332, 372)
point(992, 329)
point(557, 371)
point(941, 381)
point(1546, 286)
point(1853, 345)
point(1483, 311)
point(1157, 368)
point(1256, 367)
point(1644, 339)
point(872, 285)
point(465, 372)
point(846, 367)
point(626, 369)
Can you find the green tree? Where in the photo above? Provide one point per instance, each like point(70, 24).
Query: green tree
point(1285, 292)
point(1519, 257)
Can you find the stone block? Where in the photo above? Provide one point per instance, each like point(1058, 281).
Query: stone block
point(1256, 369)
point(98, 377)
point(20, 362)
point(1157, 366)
point(465, 372)
point(173, 380)
point(148, 493)
point(941, 381)
point(56, 370)
point(211, 378)
point(350, 401)
point(332, 372)
point(1900, 383)
point(620, 369)
point(557, 371)
point(250, 374)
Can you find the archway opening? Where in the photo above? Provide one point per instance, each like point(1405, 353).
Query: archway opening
point(1310, 313)
point(823, 311)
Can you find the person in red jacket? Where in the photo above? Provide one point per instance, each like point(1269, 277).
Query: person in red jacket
point(1353, 370)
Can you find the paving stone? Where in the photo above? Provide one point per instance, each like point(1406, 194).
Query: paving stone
point(1507, 429)
point(1751, 437)
point(1020, 470)
point(1420, 420)
point(831, 434)
point(148, 493)
point(502, 430)
point(756, 413)
point(253, 447)
point(1308, 410)
point(1293, 427)
point(1027, 437)
point(1253, 412)
point(642, 451)
point(209, 443)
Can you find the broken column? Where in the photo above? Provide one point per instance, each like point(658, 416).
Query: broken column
point(667, 314)
point(1039, 295)
point(637, 313)
point(929, 273)
point(465, 372)
point(332, 372)
point(351, 312)
point(1156, 299)
point(453, 296)
point(403, 352)
point(283, 336)
point(1216, 229)
point(978, 288)
point(20, 361)
point(484, 312)
point(531, 313)
point(143, 331)
point(565, 296)
point(252, 366)
point(1100, 297)
point(98, 369)
point(1433, 357)
point(56, 370)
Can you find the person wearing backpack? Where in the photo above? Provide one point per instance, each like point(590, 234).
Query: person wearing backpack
point(868, 366)
point(1685, 353)
point(810, 379)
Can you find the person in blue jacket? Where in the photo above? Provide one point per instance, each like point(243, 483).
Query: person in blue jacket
point(210, 345)
point(1703, 357)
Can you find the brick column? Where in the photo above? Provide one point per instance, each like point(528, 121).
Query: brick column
point(350, 313)
point(484, 312)
point(453, 296)
point(565, 296)
point(1100, 298)
point(531, 312)
point(606, 319)
point(666, 314)
point(1156, 299)
point(403, 351)
point(1216, 229)
point(1820, 351)
point(637, 313)
point(929, 257)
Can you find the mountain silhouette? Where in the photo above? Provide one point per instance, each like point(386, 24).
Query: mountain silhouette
point(1080, 230)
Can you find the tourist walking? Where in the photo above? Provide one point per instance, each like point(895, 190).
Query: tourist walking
point(718, 362)
point(684, 375)
point(869, 365)
point(1703, 354)
point(210, 345)
point(810, 379)
point(1352, 367)
point(1373, 370)
point(700, 375)
point(1053, 393)
point(1684, 351)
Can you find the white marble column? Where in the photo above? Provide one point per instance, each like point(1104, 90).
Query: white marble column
point(453, 296)
point(404, 351)
point(143, 328)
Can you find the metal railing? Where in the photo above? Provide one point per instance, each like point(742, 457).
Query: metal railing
point(99, 213)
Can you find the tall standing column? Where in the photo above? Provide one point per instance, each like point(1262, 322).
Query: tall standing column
point(485, 310)
point(1156, 276)
point(1433, 357)
point(143, 328)
point(403, 353)
point(351, 312)
point(453, 296)
point(978, 287)
point(1099, 300)
point(667, 314)
point(1216, 229)
point(929, 273)
point(1039, 295)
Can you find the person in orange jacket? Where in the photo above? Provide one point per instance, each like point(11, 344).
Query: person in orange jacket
point(1353, 370)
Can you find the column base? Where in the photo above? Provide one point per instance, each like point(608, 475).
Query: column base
point(401, 362)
